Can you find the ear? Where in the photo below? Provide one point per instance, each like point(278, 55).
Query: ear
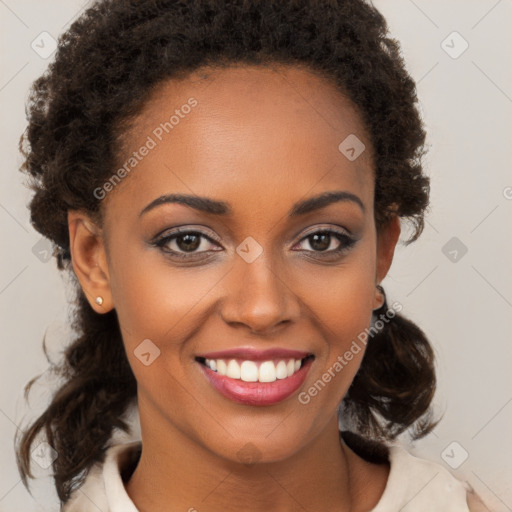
point(387, 238)
point(89, 259)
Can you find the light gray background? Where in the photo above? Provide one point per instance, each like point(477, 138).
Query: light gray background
point(464, 305)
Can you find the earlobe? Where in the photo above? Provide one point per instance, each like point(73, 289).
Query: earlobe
point(89, 260)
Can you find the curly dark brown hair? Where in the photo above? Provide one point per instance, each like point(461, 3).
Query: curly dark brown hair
point(105, 67)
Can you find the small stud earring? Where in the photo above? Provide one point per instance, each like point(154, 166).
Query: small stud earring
point(99, 300)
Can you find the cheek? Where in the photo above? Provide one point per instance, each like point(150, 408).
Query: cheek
point(342, 310)
point(162, 304)
point(157, 300)
point(343, 303)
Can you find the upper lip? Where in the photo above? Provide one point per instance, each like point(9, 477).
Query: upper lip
point(253, 354)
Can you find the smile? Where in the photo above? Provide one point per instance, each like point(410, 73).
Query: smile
point(255, 371)
point(256, 382)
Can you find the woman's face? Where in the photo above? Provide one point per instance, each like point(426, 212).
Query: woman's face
point(252, 146)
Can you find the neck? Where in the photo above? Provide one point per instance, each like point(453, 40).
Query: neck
point(176, 473)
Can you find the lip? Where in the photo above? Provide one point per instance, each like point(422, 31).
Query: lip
point(252, 354)
point(257, 393)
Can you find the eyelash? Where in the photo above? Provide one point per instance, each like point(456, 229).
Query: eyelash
point(346, 243)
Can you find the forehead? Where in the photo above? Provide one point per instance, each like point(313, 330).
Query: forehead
point(223, 131)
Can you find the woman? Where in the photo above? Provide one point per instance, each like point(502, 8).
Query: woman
point(226, 182)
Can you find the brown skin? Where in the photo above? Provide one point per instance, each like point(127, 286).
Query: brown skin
point(259, 139)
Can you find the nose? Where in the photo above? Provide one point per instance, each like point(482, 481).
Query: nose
point(260, 297)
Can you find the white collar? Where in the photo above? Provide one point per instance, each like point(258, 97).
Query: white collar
point(414, 484)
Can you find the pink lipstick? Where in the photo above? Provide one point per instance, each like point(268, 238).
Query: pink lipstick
point(255, 377)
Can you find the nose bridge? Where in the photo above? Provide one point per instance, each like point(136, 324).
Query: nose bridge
point(258, 294)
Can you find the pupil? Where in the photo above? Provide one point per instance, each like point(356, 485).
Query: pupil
point(321, 241)
point(191, 242)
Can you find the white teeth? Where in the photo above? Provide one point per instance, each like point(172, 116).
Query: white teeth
point(281, 371)
point(233, 370)
point(253, 371)
point(221, 366)
point(267, 372)
point(290, 367)
point(249, 371)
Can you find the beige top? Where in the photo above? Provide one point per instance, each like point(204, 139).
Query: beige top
point(414, 485)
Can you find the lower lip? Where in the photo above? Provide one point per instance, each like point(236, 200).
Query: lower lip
point(257, 393)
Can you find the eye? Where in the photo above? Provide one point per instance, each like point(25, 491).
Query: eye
point(185, 242)
point(328, 241)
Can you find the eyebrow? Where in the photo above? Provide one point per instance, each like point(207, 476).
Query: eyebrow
point(214, 207)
